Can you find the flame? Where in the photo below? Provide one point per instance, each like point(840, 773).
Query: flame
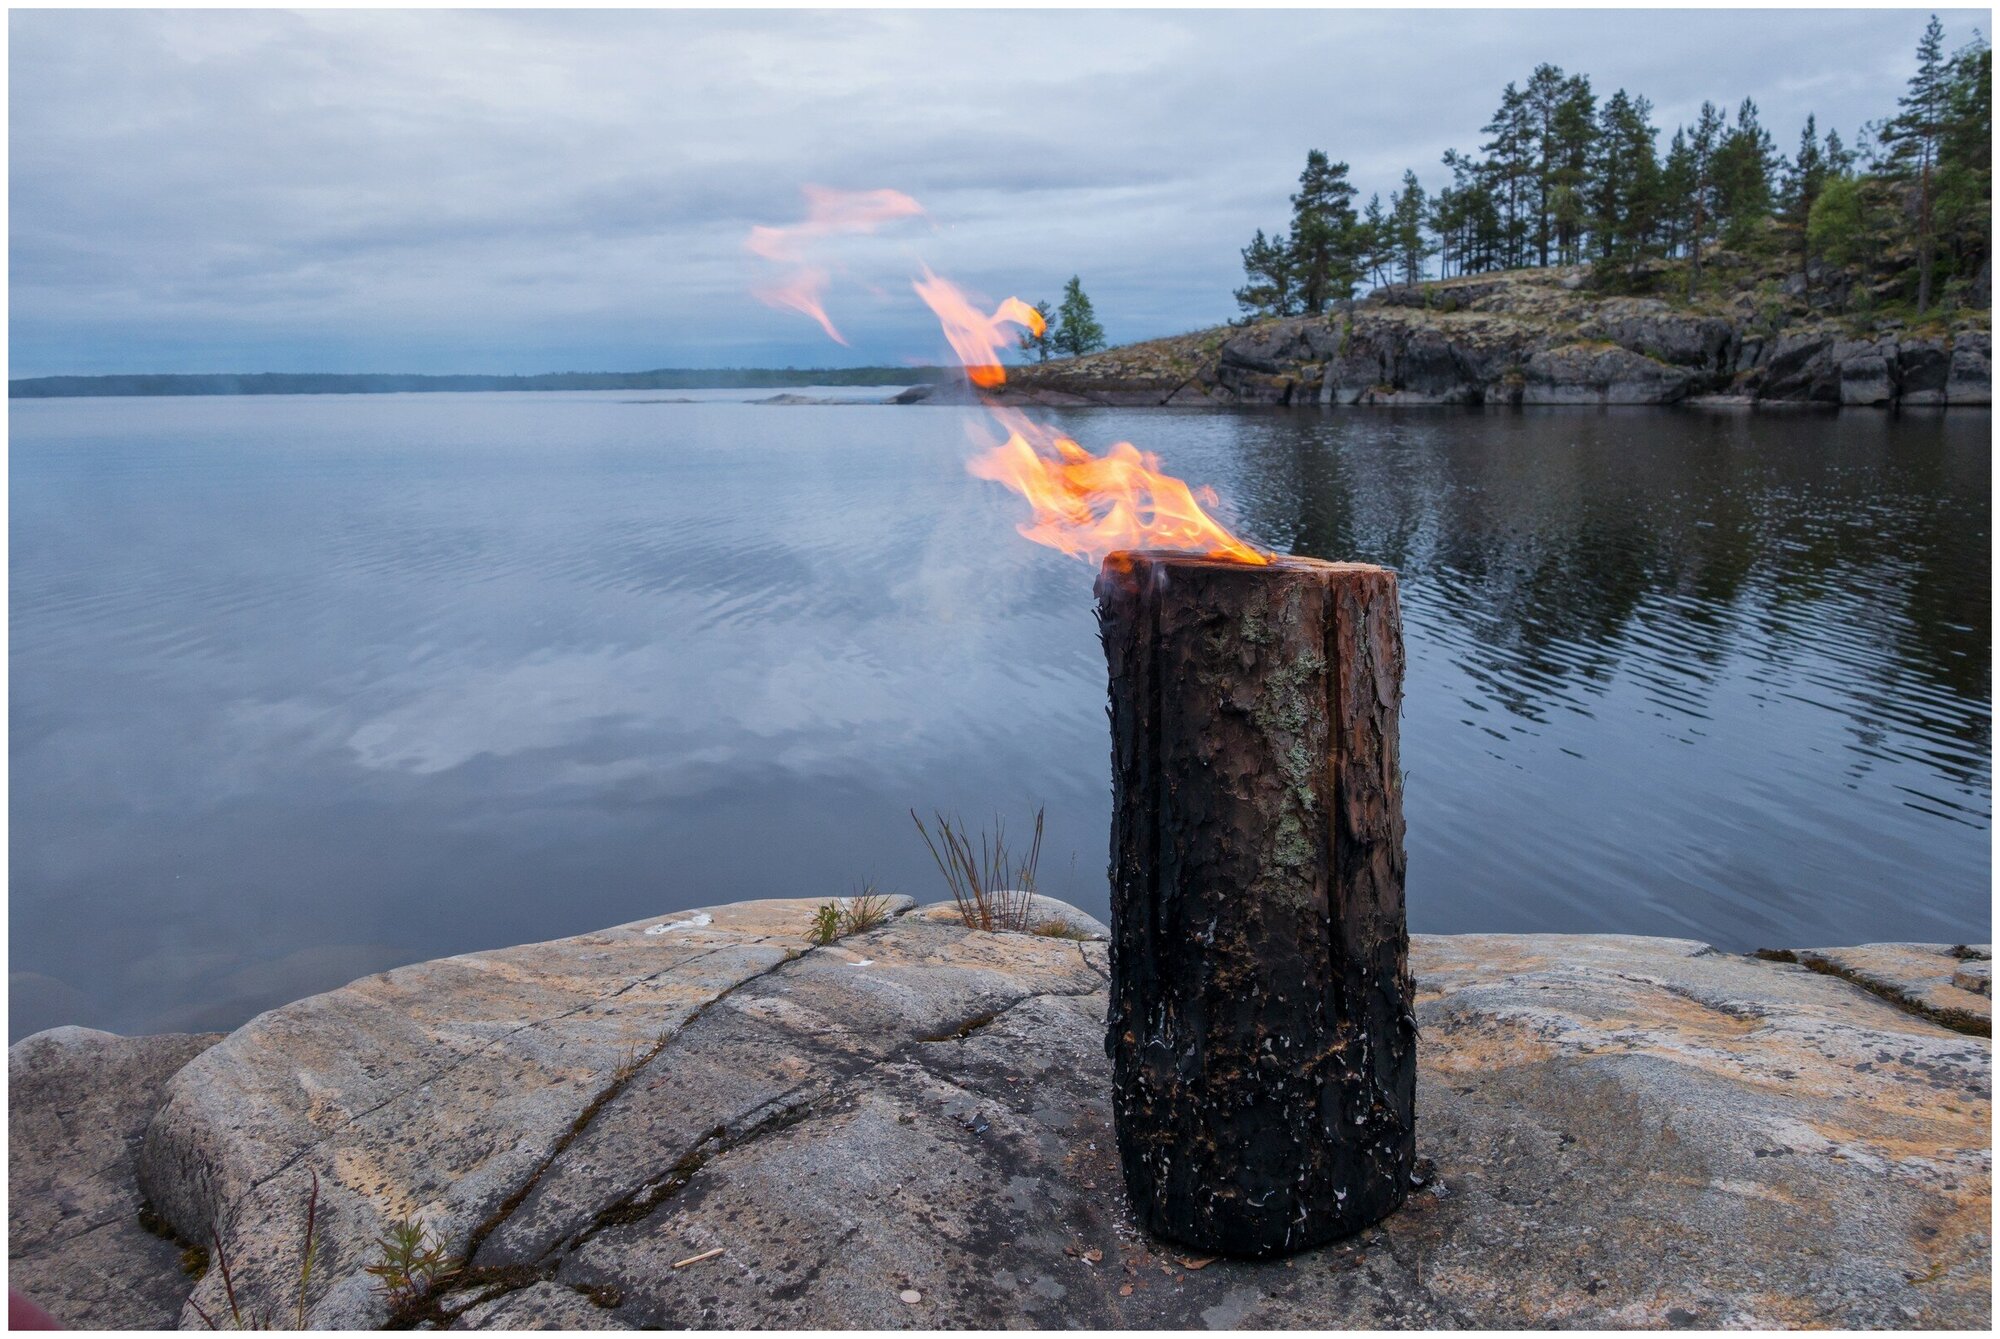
point(975, 336)
point(1087, 506)
point(1091, 506)
point(801, 293)
point(828, 213)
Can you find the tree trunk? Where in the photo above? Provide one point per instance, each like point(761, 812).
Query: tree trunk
point(1260, 1029)
point(1926, 241)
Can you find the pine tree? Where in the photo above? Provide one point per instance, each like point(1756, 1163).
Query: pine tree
point(1377, 252)
point(1803, 182)
point(1077, 330)
point(1540, 101)
point(1563, 179)
point(1676, 193)
point(1742, 174)
point(1913, 137)
point(1408, 209)
point(1575, 140)
point(1699, 209)
point(1267, 264)
point(1443, 223)
point(1511, 166)
point(1325, 235)
point(1625, 184)
point(1479, 230)
point(1963, 207)
point(1038, 345)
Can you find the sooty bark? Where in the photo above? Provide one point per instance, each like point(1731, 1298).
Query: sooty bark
point(1262, 1041)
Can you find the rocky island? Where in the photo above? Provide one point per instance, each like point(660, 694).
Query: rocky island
point(1553, 336)
point(708, 1120)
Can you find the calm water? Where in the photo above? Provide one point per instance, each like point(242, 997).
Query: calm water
point(307, 687)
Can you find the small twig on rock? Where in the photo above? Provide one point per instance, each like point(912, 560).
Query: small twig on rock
point(697, 1259)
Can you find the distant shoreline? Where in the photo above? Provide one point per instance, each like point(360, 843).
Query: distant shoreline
point(385, 383)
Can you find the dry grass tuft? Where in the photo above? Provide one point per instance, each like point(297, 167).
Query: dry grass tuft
point(865, 911)
point(992, 890)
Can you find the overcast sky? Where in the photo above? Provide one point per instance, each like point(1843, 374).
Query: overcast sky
point(515, 191)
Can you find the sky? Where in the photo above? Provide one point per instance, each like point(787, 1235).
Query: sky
point(531, 191)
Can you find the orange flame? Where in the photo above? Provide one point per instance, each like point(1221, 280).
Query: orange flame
point(828, 213)
point(1087, 506)
point(975, 336)
point(1091, 506)
point(801, 293)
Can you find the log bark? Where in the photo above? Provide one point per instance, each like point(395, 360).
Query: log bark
point(1261, 1031)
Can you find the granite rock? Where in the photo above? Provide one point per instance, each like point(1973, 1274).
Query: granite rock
point(77, 1105)
point(1867, 371)
point(1951, 984)
point(1625, 1132)
point(1970, 381)
point(1594, 374)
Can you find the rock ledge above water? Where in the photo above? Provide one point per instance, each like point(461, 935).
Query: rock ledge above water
point(1540, 336)
point(1626, 1132)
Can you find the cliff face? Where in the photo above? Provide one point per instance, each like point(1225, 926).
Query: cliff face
point(1539, 337)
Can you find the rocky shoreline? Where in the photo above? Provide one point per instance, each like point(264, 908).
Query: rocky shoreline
point(1540, 337)
point(705, 1119)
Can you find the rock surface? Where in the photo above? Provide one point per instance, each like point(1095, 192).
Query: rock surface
point(1951, 984)
point(1538, 337)
point(1625, 1131)
point(78, 1102)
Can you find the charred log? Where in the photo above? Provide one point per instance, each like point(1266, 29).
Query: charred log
point(1262, 1042)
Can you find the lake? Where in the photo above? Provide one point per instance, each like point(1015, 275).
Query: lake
point(306, 687)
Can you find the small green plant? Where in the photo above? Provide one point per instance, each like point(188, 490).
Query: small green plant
point(855, 914)
point(413, 1260)
point(1057, 928)
point(238, 1317)
point(825, 924)
point(991, 889)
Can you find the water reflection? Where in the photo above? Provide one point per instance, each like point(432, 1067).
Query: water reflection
point(302, 688)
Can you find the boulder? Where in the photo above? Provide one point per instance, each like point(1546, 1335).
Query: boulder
point(1750, 351)
point(1389, 361)
point(1276, 346)
point(1245, 386)
point(1649, 327)
point(1400, 295)
point(1597, 374)
point(702, 1120)
point(1970, 381)
point(1472, 295)
point(77, 1105)
point(1922, 369)
point(1801, 367)
point(1829, 288)
point(1275, 363)
point(1867, 370)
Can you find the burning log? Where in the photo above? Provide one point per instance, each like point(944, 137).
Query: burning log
point(1263, 1050)
point(1262, 1042)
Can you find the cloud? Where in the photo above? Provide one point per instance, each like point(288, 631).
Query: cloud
point(526, 191)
